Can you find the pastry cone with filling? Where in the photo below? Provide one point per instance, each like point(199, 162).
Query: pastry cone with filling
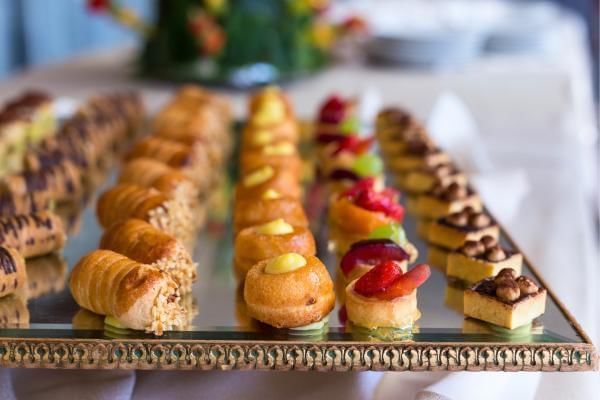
point(125, 201)
point(191, 160)
point(289, 291)
point(136, 295)
point(13, 275)
point(33, 234)
point(146, 244)
point(269, 240)
point(148, 172)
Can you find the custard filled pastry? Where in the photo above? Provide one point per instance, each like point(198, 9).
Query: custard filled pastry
point(269, 240)
point(33, 234)
point(146, 244)
point(191, 160)
point(289, 291)
point(137, 296)
point(258, 181)
point(13, 275)
point(125, 201)
point(271, 205)
point(45, 275)
point(283, 155)
point(155, 174)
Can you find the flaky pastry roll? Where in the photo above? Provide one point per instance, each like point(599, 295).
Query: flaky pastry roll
point(138, 296)
point(33, 234)
point(146, 244)
point(126, 201)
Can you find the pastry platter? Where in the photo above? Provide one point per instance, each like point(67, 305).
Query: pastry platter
point(48, 329)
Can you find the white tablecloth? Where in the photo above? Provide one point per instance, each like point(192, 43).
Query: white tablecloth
point(533, 113)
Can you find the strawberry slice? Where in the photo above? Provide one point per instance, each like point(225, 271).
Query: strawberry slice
point(333, 110)
point(405, 284)
point(326, 138)
point(378, 279)
point(354, 144)
point(384, 202)
point(370, 252)
point(358, 187)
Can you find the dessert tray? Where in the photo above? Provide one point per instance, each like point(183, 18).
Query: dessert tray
point(59, 334)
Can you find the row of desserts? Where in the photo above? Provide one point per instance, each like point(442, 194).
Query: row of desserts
point(365, 224)
point(151, 217)
point(24, 121)
point(463, 238)
point(30, 230)
point(285, 285)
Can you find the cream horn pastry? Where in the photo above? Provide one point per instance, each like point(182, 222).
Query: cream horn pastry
point(148, 172)
point(137, 296)
point(289, 291)
point(33, 234)
point(269, 240)
point(146, 244)
point(126, 201)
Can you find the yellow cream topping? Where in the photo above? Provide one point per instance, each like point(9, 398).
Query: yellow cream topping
point(262, 138)
point(258, 176)
point(285, 263)
point(281, 149)
point(271, 194)
point(269, 112)
point(275, 227)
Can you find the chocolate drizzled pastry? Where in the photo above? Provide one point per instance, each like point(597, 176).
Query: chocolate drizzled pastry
point(33, 234)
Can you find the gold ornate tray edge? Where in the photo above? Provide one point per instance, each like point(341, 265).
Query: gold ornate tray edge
point(300, 356)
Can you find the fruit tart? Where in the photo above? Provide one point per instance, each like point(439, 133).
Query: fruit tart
point(289, 291)
point(356, 212)
point(342, 177)
point(337, 115)
point(506, 300)
point(341, 154)
point(269, 240)
point(365, 254)
point(480, 259)
point(386, 297)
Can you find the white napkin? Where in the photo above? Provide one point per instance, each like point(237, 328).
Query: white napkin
point(454, 129)
point(482, 385)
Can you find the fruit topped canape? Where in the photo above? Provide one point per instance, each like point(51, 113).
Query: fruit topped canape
point(386, 296)
point(337, 116)
point(359, 210)
point(365, 254)
point(342, 177)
